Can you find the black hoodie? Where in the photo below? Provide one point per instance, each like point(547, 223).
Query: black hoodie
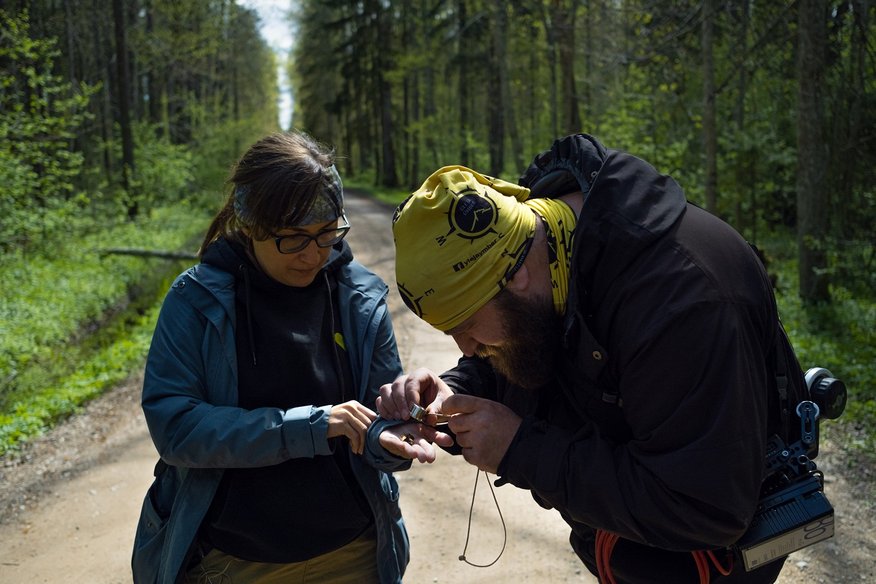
point(287, 357)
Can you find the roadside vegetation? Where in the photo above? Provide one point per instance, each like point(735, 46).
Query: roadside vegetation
point(77, 321)
point(82, 182)
point(839, 336)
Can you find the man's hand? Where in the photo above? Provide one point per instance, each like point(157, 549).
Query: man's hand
point(422, 387)
point(484, 429)
point(350, 419)
point(414, 440)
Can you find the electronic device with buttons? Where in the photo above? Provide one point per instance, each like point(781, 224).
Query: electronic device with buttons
point(793, 511)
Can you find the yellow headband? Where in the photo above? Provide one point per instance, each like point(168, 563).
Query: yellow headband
point(459, 239)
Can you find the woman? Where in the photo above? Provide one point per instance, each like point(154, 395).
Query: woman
point(258, 393)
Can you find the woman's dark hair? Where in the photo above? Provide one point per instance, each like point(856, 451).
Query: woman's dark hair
point(281, 175)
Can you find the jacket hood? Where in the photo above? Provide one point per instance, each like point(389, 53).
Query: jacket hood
point(629, 206)
point(627, 203)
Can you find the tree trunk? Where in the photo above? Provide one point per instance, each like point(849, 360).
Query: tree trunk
point(743, 170)
point(388, 170)
point(122, 84)
point(710, 138)
point(464, 87)
point(431, 140)
point(426, 97)
point(564, 23)
point(349, 138)
point(500, 18)
point(533, 104)
point(106, 115)
point(154, 114)
point(495, 103)
point(551, 38)
point(71, 50)
point(851, 132)
point(811, 151)
point(589, 117)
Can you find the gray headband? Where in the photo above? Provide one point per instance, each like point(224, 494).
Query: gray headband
point(328, 205)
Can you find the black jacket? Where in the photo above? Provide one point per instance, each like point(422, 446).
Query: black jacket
point(656, 427)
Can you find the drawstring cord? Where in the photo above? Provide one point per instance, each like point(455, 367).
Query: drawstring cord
point(334, 344)
point(243, 269)
point(462, 557)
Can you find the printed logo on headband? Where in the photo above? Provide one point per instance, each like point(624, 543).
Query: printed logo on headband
point(471, 216)
point(412, 303)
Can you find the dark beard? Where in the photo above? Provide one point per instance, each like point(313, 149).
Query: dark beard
point(533, 332)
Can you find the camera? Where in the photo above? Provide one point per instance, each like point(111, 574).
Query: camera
point(793, 511)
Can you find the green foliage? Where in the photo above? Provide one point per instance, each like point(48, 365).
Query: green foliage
point(165, 171)
point(221, 144)
point(636, 77)
point(33, 412)
point(50, 305)
point(165, 174)
point(840, 336)
point(40, 114)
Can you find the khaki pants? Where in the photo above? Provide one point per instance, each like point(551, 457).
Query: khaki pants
point(355, 563)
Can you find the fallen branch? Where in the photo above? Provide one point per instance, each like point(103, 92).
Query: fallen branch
point(149, 253)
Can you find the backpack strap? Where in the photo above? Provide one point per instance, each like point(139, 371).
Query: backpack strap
point(782, 380)
point(782, 365)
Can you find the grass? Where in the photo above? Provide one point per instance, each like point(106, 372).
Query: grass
point(76, 322)
point(841, 337)
point(121, 350)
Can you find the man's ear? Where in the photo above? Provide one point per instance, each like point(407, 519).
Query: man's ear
point(519, 282)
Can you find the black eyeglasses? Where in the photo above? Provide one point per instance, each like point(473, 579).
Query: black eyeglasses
point(325, 238)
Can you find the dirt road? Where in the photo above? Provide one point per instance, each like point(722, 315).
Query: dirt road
point(69, 502)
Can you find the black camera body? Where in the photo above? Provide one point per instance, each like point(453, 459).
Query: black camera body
point(793, 511)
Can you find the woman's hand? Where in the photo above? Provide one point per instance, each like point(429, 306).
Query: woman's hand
point(414, 440)
point(350, 419)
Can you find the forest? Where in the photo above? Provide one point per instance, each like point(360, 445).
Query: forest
point(120, 119)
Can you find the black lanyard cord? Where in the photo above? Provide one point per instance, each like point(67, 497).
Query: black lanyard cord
point(462, 557)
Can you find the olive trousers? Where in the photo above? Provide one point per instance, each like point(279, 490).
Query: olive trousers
point(354, 563)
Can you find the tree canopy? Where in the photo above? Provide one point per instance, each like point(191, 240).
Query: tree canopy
point(102, 107)
point(763, 110)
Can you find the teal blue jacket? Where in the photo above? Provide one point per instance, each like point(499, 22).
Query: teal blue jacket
point(190, 403)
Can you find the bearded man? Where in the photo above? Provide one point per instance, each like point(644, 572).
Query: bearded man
point(619, 347)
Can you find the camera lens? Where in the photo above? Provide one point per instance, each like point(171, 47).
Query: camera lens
point(830, 395)
point(827, 392)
